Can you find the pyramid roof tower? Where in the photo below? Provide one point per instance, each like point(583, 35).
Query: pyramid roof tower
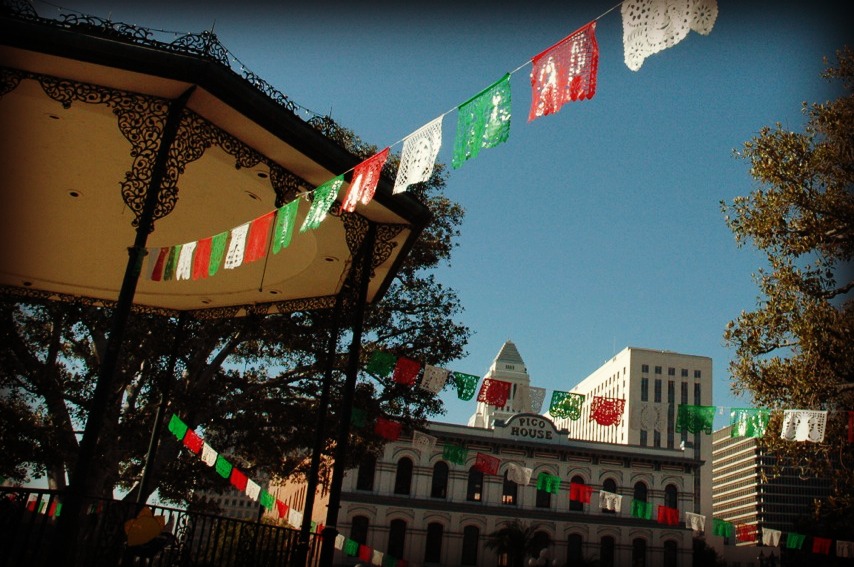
point(507, 366)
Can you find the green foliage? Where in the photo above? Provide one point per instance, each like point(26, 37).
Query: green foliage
point(248, 385)
point(518, 541)
point(796, 349)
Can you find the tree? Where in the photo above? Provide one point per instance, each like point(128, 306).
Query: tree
point(796, 349)
point(518, 541)
point(250, 384)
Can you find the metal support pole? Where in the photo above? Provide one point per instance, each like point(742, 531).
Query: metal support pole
point(319, 437)
point(330, 531)
point(64, 551)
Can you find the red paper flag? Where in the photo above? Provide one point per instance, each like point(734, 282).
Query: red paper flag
point(494, 392)
point(193, 442)
point(580, 492)
point(607, 411)
point(159, 264)
point(282, 508)
point(256, 241)
point(202, 259)
point(366, 175)
point(388, 429)
point(564, 72)
point(365, 553)
point(406, 371)
point(487, 464)
point(238, 480)
point(821, 545)
point(668, 516)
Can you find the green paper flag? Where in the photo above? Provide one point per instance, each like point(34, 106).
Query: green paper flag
point(748, 422)
point(695, 419)
point(381, 363)
point(223, 467)
point(548, 482)
point(266, 499)
point(641, 509)
point(324, 196)
point(218, 244)
point(466, 385)
point(483, 121)
point(455, 453)
point(284, 227)
point(172, 263)
point(795, 541)
point(177, 427)
point(389, 561)
point(566, 405)
point(351, 547)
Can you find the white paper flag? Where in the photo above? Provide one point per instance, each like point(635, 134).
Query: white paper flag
point(519, 474)
point(209, 455)
point(537, 396)
point(236, 247)
point(771, 537)
point(804, 425)
point(418, 156)
point(423, 441)
point(844, 548)
point(377, 558)
point(185, 261)
point(339, 541)
point(434, 378)
point(253, 490)
point(696, 522)
point(610, 501)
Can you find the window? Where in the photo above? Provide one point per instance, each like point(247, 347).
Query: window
point(575, 505)
point(658, 391)
point(671, 392)
point(697, 374)
point(639, 552)
point(606, 551)
point(471, 539)
point(474, 492)
point(684, 373)
point(433, 552)
point(544, 499)
point(403, 478)
point(671, 496)
point(365, 478)
point(645, 368)
point(656, 438)
point(658, 370)
point(509, 494)
point(574, 550)
point(396, 537)
point(610, 485)
point(644, 389)
point(671, 372)
point(683, 394)
point(644, 437)
point(359, 529)
point(697, 394)
point(640, 491)
point(670, 553)
point(439, 484)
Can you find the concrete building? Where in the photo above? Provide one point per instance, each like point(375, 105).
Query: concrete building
point(413, 502)
point(653, 383)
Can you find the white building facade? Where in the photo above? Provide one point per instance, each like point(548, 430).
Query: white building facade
point(414, 504)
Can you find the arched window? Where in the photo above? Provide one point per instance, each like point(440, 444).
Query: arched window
point(576, 505)
point(365, 476)
point(610, 485)
point(639, 552)
point(640, 491)
point(606, 551)
point(670, 551)
point(671, 496)
point(403, 478)
point(433, 551)
point(439, 484)
point(510, 492)
point(471, 541)
point(359, 529)
point(574, 550)
point(474, 491)
point(396, 537)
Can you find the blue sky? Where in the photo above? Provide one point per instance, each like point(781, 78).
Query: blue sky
point(589, 230)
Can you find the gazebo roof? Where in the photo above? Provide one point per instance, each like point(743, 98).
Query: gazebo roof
point(82, 105)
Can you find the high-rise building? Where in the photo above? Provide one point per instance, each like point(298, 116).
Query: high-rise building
point(747, 492)
point(653, 383)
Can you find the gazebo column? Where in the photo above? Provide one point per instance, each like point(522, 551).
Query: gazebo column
point(64, 552)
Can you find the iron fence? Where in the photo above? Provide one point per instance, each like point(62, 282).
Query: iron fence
point(189, 539)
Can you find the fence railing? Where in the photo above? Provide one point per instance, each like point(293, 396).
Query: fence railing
point(189, 539)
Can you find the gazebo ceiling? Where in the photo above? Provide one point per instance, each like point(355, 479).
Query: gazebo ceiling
point(81, 114)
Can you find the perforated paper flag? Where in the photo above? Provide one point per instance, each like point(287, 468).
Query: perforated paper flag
point(259, 235)
point(564, 72)
point(324, 196)
point(366, 175)
point(466, 385)
point(607, 411)
point(236, 247)
point(284, 228)
point(566, 405)
point(418, 157)
point(483, 121)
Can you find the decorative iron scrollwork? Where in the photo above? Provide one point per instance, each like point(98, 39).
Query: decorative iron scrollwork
point(9, 80)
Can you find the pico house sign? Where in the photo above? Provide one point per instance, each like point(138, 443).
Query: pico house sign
point(530, 427)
